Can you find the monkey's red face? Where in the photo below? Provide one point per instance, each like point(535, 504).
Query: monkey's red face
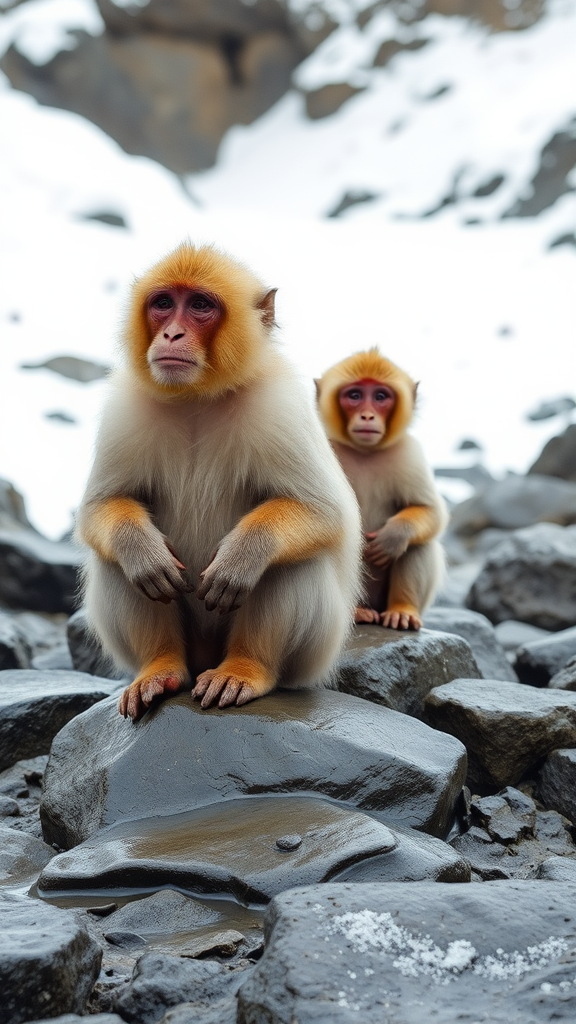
point(182, 322)
point(367, 405)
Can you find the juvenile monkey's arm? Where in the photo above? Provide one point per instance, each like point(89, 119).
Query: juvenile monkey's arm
point(417, 524)
point(120, 530)
point(278, 531)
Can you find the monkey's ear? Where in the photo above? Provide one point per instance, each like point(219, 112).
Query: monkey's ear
point(266, 307)
point(415, 390)
point(317, 382)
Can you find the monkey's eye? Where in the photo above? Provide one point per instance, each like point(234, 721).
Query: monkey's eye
point(163, 302)
point(201, 303)
point(354, 394)
point(382, 396)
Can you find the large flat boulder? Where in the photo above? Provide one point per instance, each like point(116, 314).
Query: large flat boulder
point(530, 577)
point(48, 962)
point(506, 727)
point(251, 849)
point(104, 770)
point(35, 705)
point(408, 953)
point(399, 669)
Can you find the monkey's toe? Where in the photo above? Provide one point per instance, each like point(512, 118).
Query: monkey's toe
point(363, 615)
point(401, 620)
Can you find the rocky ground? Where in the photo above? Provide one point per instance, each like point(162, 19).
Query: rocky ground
point(296, 858)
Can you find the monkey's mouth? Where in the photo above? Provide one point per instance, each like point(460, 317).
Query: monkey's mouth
point(367, 430)
point(175, 361)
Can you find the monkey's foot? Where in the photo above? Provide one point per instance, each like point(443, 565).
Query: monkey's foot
point(236, 681)
point(401, 618)
point(156, 680)
point(365, 615)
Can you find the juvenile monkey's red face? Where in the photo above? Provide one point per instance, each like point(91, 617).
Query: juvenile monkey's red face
point(182, 322)
point(366, 404)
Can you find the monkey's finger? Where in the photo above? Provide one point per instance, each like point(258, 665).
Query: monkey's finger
point(214, 690)
point(230, 694)
point(246, 694)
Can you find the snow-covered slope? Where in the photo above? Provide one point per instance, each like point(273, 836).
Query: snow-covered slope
point(481, 313)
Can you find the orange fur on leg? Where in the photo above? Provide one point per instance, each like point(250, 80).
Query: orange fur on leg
point(164, 675)
point(101, 520)
point(425, 522)
point(237, 680)
point(298, 531)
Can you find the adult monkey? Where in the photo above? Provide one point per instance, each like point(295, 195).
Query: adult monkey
point(212, 472)
point(366, 404)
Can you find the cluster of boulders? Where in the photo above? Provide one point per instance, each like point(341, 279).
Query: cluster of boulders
point(137, 860)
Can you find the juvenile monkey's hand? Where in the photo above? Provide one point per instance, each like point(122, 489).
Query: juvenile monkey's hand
point(233, 572)
point(387, 544)
point(151, 565)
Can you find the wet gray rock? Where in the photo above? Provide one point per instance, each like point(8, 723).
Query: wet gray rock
point(398, 669)
point(48, 962)
point(35, 705)
point(511, 838)
point(22, 856)
point(414, 952)
point(161, 981)
point(36, 573)
point(512, 634)
point(479, 632)
point(42, 632)
point(228, 848)
point(530, 577)
point(557, 782)
point(86, 650)
point(14, 651)
point(537, 661)
point(565, 679)
point(162, 913)
point(558, 457)
point(514, 503)
point(200, 852)
point(104, 769)
point(22, 781)
point(506, 727)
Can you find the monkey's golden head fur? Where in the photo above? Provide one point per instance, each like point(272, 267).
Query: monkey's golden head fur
point(359, 366)
point(232, 359)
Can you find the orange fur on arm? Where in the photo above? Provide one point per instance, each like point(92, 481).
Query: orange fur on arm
point(297, 530)
point(425, 522)
point(101, 519)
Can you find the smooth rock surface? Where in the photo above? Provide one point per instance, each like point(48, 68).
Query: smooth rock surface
point(22, 856)
point(229, 848)
point(565, 679)
point(104, 769)
point(36, 573)
point(512, 634)
point(514, 503)
point(35, 705)
point(417, 952)
point(530, 577)
point(416, 857)
point(557, 782)
point(398, 669)
point(14, 651)
point(479, 632)
point(558, 456)
point(536, 662)
point(48, 962)
point(506, 727)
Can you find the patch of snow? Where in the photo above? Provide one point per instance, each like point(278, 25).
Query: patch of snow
point(39, 29)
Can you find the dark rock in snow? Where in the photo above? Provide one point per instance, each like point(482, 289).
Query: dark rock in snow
point(514, 503)
point(565, 679)
point(479, 632)
point(329, 98)
point(506, 727)
point(546, 411)
point(104, 769)
point(530, 577)
point(48, 962)
point(558, 456)
point(34, 706)
point(161, 981)
point(72, 367)
point(12, 508)
point(553, 177)
point(536, 662)
point(416, 952)
point(22, 857)
point(36, 573)
point(557, 782)
point(86, 650)
point(398, 669)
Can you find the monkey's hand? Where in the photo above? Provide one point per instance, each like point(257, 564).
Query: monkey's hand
point(387, 544)
point(151, 565)
point(234, 571)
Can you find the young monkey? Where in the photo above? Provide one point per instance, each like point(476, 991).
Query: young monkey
point(366, 404)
